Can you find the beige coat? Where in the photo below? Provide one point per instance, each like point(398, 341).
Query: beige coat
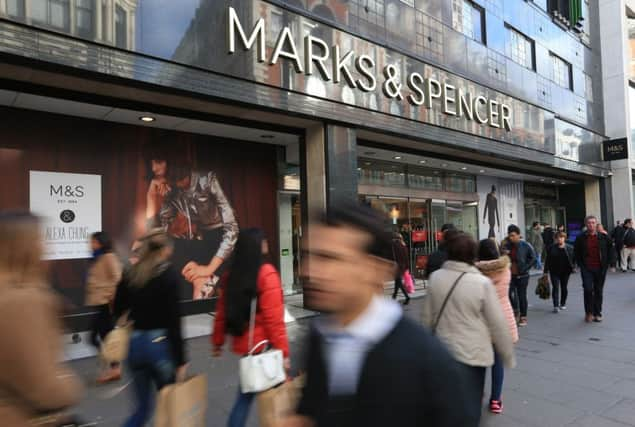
point(499, 272)
point(473, 322)
point(103, 276)
point(31, 379)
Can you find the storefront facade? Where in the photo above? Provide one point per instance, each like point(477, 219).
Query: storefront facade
point(420, 109)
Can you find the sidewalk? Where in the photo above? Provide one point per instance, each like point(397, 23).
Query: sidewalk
point(569, 373)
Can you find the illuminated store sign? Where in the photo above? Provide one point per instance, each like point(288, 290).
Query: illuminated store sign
point(337, 66)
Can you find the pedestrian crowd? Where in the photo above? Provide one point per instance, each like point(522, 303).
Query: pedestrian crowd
point(365, 362)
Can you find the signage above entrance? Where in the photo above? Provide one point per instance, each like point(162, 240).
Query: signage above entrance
point(360, 72)
point(615, 149)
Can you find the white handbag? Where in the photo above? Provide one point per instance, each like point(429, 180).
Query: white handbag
point(260, 372)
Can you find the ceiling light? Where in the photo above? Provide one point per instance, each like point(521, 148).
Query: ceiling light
point(367, 163)
point(359, 169)
point(563, 183)
point(463, 168)
point(267, 136)
point(147, 119)
point(422, 161)
point(445, 165)
point(553, 182)
point(542, 180)
point(482, 171)
point(397, 157)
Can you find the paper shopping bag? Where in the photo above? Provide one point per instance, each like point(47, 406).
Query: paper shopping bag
point(182, 404)
point(279, 402)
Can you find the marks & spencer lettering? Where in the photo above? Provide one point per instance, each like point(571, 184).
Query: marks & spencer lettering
point(414, 88)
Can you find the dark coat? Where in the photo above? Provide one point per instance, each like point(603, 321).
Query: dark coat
point(400, 255)
point(550, 256)
point(607, 251)
point(436, 260)
point(618, 235)
point(408, 380)
point(548, 236)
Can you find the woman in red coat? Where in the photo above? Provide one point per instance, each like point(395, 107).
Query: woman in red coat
point(250, 277)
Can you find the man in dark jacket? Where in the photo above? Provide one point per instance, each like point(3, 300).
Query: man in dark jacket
point(523, 258)
point(548, 236)
point(618, 240)
point(438, 257)
point(594, 253)
point(627, 250)
point(367, 364)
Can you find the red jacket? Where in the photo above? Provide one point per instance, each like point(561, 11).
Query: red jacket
point(269, 316)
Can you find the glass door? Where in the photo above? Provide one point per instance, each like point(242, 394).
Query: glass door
point(419, 236)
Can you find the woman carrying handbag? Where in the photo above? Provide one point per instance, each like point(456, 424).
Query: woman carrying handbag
point(251, 310)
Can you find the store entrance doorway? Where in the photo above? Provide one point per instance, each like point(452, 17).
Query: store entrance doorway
point(419, 221)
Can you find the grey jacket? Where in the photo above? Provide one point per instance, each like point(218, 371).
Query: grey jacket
point(473, 320)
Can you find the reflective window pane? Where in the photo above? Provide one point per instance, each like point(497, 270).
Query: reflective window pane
point(561, 72)
point(467, 18)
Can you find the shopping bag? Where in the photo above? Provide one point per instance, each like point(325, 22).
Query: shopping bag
point(279, 402)
point(115, 346)
point(182, 404)
point(408, 282)
point(543, 289)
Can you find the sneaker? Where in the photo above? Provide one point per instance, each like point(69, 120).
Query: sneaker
point(563, 307)
point(496, 406)
point(597, 319)
point(555, 310)
point(523, 321)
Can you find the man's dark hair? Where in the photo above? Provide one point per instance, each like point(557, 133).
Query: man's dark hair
point(180, 170)
point(628, 221)
point(446, 227)
point(463, 248)
point(365, 219)
point(535, 224)
point(104, 241)
point(513, 229)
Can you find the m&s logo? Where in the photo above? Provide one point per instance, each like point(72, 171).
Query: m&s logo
point(67, 191)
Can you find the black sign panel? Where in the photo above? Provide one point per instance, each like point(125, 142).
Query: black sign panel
point(615, 149)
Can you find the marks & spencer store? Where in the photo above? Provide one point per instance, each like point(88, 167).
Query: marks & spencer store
point(272, 110)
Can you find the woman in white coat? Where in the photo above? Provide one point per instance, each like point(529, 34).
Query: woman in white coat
point(463, 310)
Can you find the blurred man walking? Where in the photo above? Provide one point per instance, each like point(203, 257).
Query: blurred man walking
point(367, 364)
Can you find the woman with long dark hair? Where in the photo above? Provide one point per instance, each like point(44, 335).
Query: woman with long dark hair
point(250, 277)
point(149, 294)
point(103, 276)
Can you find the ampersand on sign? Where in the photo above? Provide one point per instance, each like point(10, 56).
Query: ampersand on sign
point(392, 86)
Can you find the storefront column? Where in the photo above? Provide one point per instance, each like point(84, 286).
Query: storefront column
point(622, 188)
point(592, 198)
point(341, 164)
point(331, 167)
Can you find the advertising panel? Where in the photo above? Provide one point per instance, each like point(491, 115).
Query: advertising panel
point(129, 180)
point(69, 206)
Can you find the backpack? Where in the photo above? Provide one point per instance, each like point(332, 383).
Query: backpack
point(629, 237)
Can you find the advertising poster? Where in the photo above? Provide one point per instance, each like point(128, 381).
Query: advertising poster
point(501, 204)
point(69, 205)
point(129, 180)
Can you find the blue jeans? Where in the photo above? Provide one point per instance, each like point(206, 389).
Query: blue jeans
point(152, 366)
point(498, 375)
point(539, 261)
point(240, 411)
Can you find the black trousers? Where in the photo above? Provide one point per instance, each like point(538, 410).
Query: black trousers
point(559, 282)
point(474, 377)
point(593, 284)
point(518, 294)
point(102, 324)
point(399, 285)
